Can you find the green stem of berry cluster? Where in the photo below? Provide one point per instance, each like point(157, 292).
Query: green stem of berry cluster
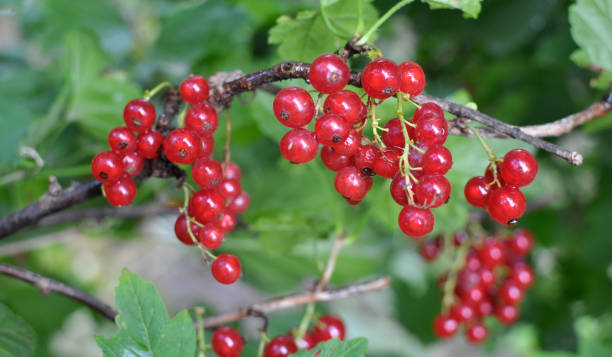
point(149, 93)
point(180, 118)
point(308, 315)
point(188, 220)
point(375, 126)
point(404, 163)
point(448, 297)
point(490, 155)
point(199, 311)
point(366, 37)
point(263, 340)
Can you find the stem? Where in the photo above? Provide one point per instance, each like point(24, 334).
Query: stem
point(188, 220)
point(199, 311)
point(382, 20)
point(180, 118)
point(451, 281)
point(404, 163)
point(375, 127)
point(490, 154)
point(305, 321)
point(149, 93)
point(263, 339)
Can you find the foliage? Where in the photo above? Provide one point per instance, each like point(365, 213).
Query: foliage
point(17, 338)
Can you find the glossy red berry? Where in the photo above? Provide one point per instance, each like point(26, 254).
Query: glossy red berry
point(122, 140)
point(487, 276)
point(182, 146)
point(472, 261)
point(148, 143)
point(437, 160)
point(229, 189)
point(334, 161)
point(387, 164)
point(239, 204)
point(415, 222)
point(462, 312)
point(231, 171)
point(445, 326)
point(208, 145)
point(352, 184)
point(510, 292)
point(206, 172)
point(519, 168)
point(329, 73)
point(365, 159)
point(380, 78)
point(473, 296)
point(227, 222)
point(227, 342)
point(429, 249)
point(347, 104)
point(506, 205)
point(477, 191)
point(431, 127)
point(293, 107)
point(394, 136)
point(280, 346)
point(427, 111)
point(522, 275)
point(180, 229)
point(132, 164)
point(350, 145)
point(139, 115)
point(211, 235)
point(520, 242)
point(107, 166)
point(398, 189)
point(194, 89)
point(226, 268)
point(492, 252)
point(121, 192)
point(331, 129)
point(202, 118)
point(328, 327)
point(477, 333)
point(412, 78)
point(205, 205)
point(432, 190)
point(299, 146)
point(507, 314)
point(484, 308)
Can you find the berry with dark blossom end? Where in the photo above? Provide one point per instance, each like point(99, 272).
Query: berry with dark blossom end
point(462, 312)
point(139, 115)
point(477, 333)
point(107, 166)
point(328, 327)
point(387, 164)
point(520, 242)
point(412, 78)
point(205, 205)
point(132, 164)
point(229, 188)
point(506, 314)
point(352, 184)
point(347, 104)
point(393, 134)
point(510, 292)
point(331, 129)
point(194, 89)
point(398, 189)
point(476, 191)
point(506, 205)
point(380, 78)
point(182, 146)
point(239, 204)
point(227, 222)
point(329, 73)
point(180, 229)
point(280, 346)
point(122, 140)
point(231, 171)
point(519, 168)
point(299, 146)
point(437, 160)
point(206, 172)
point(148, 143)
point(415, 222)
point(334, 161)
point(227, 342)
point(429, 249)
point(121, 192)
point(350, 145)
point(293, 107)
point(365, 159)
point(444, 326)
point(226, 268)
point(202, 118)
point(492, 252)
point(432, 190)
point(211, 235)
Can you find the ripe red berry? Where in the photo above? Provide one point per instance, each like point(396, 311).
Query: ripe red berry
point(280, 346)
point(121, 192)
point(429, 249)
point(205, 205)
point(477, 191)
point(437, 160)
point(139, 115)
point(506, 205)
point(380, 78)
point(208, 145)
point(522, 275)
point(445, 326)
point(329, 73)
point(519, 168)
point(299, 146)
point(202, 118)
point(506, 314)
point(331, 129)
point(334, 161)
point(227, 342)
point(226, 268)
point(415, 222)
point(122, 140)
point(180, 229)
point(206, 172)
point(477, 333)
point(427, 111)
point(227, 222)
point(492, 252)
point(412, 78)
point(132, 164)
point(231, 171)
point(520, 242)
point(431, 129)
point(462, 312)
point(352, 184)
point(148, 144)
point(229, 188)
point(472, 261)
point(107, 166)
point(487, 276)
point(293, 107)
point(473, 296)
point(484, 308)
point(239, 204)
point(510, 292)
point(328, 327)
point(211, 235)
point(415, 159)
point(398, 189)
point(365, 159)
point(194, 89)
point(432, 190)
point(347, 104)
point(387, 164)
point(350, 145)
point(182, 146)
point(394, 136)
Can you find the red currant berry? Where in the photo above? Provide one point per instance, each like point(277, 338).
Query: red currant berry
point(331, 129)
point(351, 202)
point(487, 276)
point(347, 104)
point(415, 222)
point(412, 78)
point(202, 118)
point(293, 107)
point(239, 204)
point(299, 146)
point(227, 222)
point(445, 326)
point(194, 89)
point(467, 280)
point(520, 242)
point(328, 327)
point(132, 164)
point(380, 78)
point(226, 269)
point(506, 314)
point(307, 341)
point(148, 144)
point(431, 130)
point(182, 146)
point(484, 308)
point(427, 110)
point(211, 235)
point(510, 292)
point(462, 312)
point(334, 161)
point(473, 296)
point(206, 172)
point(329, 73)
point(415, 159)
point(206, 205)
point(432, 190)
point(352, 184)
point(394, 136)
point(121, 192)
point(398, 189)
point(208, 145)
point(472, 261)
point(477, 333)
point(492, 253)
point(437, 160)
point(387, 164)
point(280, 346)
point(350, 145)
point(229, 188)
point(227, 342)
point(180, 229)
point(477, 191)
point(519, 168)
point(522, 275)
point(122, 140)
point(506, 205)
point(429, 249)
point(139, 115)
point(365, 159)
point(231, 171)
point(107, 166)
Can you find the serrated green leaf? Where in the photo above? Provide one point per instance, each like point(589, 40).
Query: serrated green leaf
point(591, 26)
point(470, 8)
point(336, 348)
point(302, 38)
point(17, 338)
point(343, 16)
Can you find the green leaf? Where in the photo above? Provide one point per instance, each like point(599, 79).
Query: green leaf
point(17, 338)
point(470, 8)
point(145, 329)
point(591, 26)
point(336, 348)
point(343, 16)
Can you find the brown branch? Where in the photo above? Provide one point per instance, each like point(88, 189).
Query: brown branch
point(331, 263)
point(48, 286)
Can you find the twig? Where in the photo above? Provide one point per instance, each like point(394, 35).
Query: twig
point(331, 263)
point(48, 285)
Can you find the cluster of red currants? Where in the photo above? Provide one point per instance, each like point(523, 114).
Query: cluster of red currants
point(492, 281)
point(498, 190)
point(211, 210)
point(411, 151)
point(227, 342)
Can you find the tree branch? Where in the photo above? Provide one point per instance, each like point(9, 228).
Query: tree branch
point(48, 285)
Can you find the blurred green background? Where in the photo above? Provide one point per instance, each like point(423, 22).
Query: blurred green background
point(67, 68)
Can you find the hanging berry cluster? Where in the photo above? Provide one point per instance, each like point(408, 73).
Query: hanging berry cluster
point(489, 278)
